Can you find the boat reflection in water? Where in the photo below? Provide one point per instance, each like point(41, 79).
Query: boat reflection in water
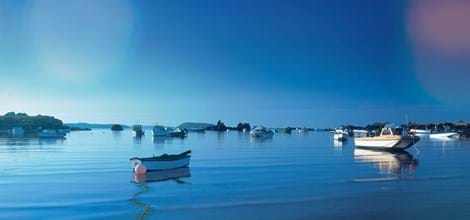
point(389, 162)
point(163, 175)
point(338, 144)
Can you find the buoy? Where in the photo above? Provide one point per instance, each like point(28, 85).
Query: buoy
point(140, 169)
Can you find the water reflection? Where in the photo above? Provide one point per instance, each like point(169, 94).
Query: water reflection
point(262, 139)
point(137, 139)
point(27, 141)
point(163, 175)
point(387, 162)
point(51, 141)
point(17, 141)
point(338, 144)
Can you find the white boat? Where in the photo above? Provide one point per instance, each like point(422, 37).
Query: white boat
point(163, 162)
point(340, 135)
point(177, 132)
point(420, 132)
point(444, 135)
point(159, 131)
point(388, 140)
point(261, 132)
point(51, 133)
point(360, 133)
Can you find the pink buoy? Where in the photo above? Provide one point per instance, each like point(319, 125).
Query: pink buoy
point(140, 169)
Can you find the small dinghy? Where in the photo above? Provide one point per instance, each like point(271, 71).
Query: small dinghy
point(163, 162)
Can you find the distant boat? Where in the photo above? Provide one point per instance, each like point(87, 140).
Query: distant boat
point(163, 162)
point(389, 139)
point(360, 133)
point(138, 131)
point(340, 135)
point(420, 132)
point(302, 130)
point(443, 135)
point(196, 130)
point(177, 132)
point(261, 132)
point(284, 130)
point(51, 133)
point(117, 127)
point(159, 131)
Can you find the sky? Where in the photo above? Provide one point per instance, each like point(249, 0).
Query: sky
point(315, 63)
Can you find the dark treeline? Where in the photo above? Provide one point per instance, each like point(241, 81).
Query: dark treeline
point(29, 123)
point(220, 126)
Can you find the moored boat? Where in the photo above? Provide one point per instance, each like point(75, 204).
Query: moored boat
point(420, 132)
point(360, 133)
point(138, 130)
point(340, 135)
point(443, 135)
point(51, 133)
point(159, 131)
point(177, 132)
point(261, 132)
point(284, 130)
point(163, 162)
point(389, 139)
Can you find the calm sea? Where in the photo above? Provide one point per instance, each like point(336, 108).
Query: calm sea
point(232, 176)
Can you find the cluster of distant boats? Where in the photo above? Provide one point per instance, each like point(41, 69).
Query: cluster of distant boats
point(256, 132)
point(161, 131)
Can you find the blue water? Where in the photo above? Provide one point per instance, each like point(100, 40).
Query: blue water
point(232, 176)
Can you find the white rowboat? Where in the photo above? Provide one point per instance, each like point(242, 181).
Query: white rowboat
point(163, 162)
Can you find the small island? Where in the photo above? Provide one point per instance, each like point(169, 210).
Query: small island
point(13, 122)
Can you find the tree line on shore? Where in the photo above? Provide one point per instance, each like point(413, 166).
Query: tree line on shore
point(30, 124)
point(220, 126)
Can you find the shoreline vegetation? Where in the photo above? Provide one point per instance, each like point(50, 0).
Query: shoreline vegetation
point(29, 124)
point(33, 124)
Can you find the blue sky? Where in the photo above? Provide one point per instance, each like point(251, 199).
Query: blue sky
point(277, 63)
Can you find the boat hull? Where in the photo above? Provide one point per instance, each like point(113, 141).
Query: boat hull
point(386, 143)
point(444, 135)
point(153, 165)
